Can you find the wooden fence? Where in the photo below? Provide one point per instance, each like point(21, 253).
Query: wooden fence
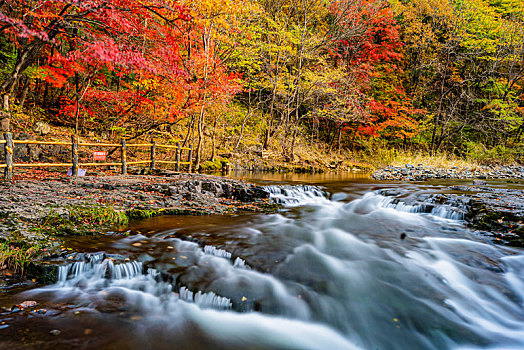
point(9, 165)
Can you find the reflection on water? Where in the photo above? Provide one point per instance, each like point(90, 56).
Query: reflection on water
point(340, 267)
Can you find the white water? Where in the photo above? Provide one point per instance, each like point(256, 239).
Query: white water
point(295, 195)
point(217, 252)
point(345, 280)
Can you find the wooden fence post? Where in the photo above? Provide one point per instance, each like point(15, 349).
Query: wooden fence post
point(189, 158)
point(124, 163)
point(74, 155)
point(178, 150)
point(153, 154)
point(8, 151)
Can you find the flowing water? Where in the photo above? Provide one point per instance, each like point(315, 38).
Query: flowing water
point(347, 264)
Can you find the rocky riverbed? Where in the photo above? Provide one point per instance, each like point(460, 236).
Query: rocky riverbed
point(497, 212)
point(32, 201)
point(35, 214)
point(492, 211)
point(420, 172)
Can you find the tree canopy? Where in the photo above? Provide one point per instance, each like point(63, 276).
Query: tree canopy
point(423, 73)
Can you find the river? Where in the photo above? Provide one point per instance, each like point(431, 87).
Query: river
point(341, 266)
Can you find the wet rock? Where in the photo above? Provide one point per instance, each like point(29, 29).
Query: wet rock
point(42, 272)
point(227, 190)
point(16, 308)
point(249, 194)
point(213, 187)
point(28, 304)
point(496, 212)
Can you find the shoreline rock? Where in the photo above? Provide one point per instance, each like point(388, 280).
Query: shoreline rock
point(498, 212)
point(494, 212)
point(421, 172)
point(38, 212)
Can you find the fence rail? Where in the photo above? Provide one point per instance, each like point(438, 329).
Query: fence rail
point(9, 165)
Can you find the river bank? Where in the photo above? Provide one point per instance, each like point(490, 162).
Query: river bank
point(420, 172)
point(34, 214)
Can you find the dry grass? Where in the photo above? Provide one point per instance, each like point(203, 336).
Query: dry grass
point(381, 157)
point(441, 160)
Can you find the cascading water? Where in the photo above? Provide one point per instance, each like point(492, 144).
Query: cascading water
point(376, 272)
point(294, 195)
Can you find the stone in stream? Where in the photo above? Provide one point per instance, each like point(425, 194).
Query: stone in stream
point(28, 304)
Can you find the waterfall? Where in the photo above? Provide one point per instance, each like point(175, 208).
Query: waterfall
point(295, 195)
point(208, 249)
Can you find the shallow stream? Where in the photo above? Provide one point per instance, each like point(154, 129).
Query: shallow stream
point(342, 266)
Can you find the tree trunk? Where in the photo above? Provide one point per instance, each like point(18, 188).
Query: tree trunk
point(242, 129)
point(25, 90)
point(44, 98)
point(190, 126)
point(339, 137)
point(265, 145)
point(24, 59)
point(200, 127)
point(213, 139)
point(5, 117)
point(292, 150)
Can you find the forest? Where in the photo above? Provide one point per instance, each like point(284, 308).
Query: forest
point(336, 76)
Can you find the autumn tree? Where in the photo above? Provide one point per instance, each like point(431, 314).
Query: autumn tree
point(465, 63)
point(104, 35)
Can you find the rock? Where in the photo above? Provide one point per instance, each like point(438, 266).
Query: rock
point(409, 172)
point(108, 186)
point(172, 190)
point(250, 194)
point(227, 190)
point(15, 309)
point(42, 128)
point(34, 152)
point(28, 304)
point(479, 182)
point(55, 332)
point(213, 187)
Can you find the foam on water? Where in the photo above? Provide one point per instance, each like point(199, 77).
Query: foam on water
point(295, 195)
point(221, 253)
point(217, 252)
point(205, 300)
point(438, 210)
